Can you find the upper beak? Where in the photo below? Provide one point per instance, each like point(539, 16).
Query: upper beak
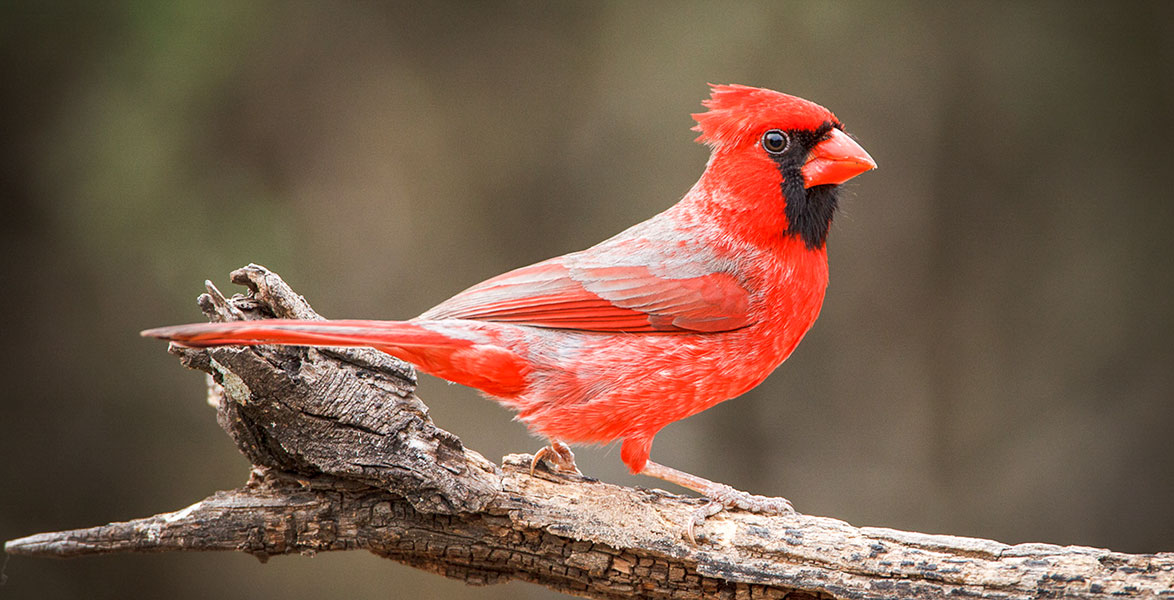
point(835, 160)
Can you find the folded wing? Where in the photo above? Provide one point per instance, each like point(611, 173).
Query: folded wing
point(574, 292)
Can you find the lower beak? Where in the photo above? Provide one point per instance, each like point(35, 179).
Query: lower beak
point(835, 160)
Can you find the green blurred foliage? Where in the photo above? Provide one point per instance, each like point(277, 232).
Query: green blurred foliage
point(995, 356)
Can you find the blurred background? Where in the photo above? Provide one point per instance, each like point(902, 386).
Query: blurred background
point(995, 356)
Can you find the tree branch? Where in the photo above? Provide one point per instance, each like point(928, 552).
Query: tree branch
point(346, 458)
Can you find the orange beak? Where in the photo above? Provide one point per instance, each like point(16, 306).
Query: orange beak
point(835, 160)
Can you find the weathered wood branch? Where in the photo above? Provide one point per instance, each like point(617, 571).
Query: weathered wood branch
point(346, 458)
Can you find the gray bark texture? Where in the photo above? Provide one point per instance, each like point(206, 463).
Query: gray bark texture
point(346, 458)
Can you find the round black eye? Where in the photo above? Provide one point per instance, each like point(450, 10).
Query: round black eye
point(775, 141)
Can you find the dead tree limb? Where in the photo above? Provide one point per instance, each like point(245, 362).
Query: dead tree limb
point(346, 458)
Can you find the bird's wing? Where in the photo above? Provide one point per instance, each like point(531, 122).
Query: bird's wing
point(647, 292)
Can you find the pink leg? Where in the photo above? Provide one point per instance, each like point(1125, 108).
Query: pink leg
point(721, 496)
point(558, 454)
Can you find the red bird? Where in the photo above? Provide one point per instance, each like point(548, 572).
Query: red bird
point(692, 307)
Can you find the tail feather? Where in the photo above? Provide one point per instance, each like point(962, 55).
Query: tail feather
point(301, 333)
point(493, 369)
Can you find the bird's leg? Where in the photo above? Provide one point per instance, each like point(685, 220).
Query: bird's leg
point(558, 454)
point(721, 496)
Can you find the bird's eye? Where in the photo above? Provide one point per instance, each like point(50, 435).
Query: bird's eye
point(775, 141)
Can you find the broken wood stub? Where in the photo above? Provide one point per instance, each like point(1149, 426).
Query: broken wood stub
point(347, 412)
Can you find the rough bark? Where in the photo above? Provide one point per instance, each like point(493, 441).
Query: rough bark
point(346, 458)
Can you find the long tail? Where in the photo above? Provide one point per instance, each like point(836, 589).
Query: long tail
point(293, 332)
point(496, 370)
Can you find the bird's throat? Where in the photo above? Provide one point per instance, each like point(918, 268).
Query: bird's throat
point(809, 211)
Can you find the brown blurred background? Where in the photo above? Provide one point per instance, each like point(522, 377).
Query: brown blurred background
point(996, 353)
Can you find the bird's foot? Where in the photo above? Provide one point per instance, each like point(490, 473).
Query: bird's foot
point(557, 454)
point(721, 497)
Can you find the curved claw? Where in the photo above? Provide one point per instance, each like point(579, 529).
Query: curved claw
point(699, 516)
point(560, 455)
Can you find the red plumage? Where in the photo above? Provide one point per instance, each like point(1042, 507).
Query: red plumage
point(692, 307)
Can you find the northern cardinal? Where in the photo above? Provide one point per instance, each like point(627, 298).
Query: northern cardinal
point(692, 307)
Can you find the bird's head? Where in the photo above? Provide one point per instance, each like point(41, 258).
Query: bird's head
point(771, 147)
